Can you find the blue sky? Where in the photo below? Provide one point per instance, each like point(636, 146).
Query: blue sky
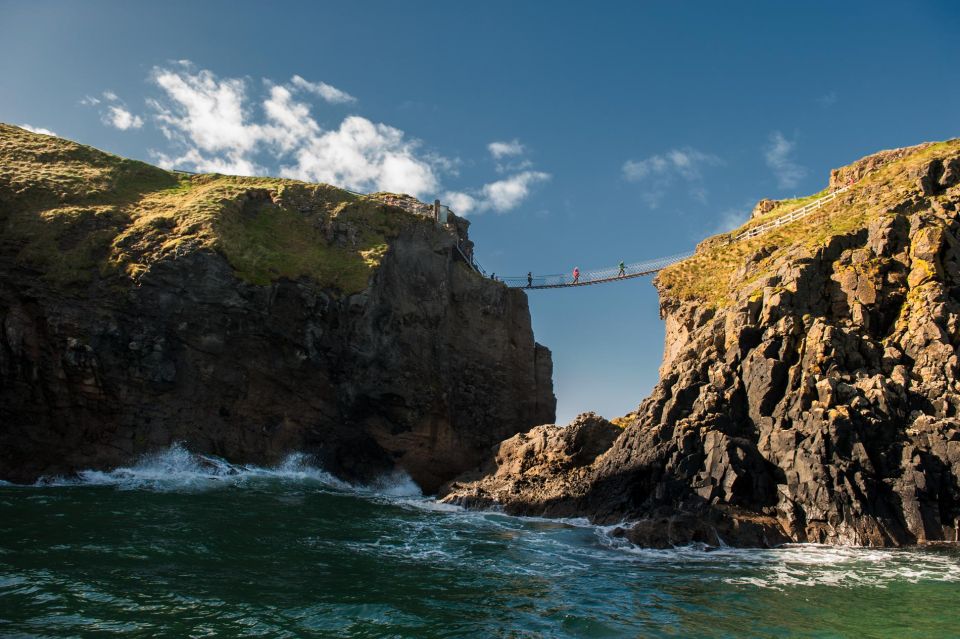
point(619, 130)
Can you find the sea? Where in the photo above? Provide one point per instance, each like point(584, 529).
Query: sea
point(183, 545)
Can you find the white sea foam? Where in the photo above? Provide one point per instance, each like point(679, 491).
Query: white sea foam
point(800, 564)
point(776, 568)
point(178, 469)
point(579, 543)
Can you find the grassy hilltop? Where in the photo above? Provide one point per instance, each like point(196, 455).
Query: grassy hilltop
point(716, 272)
point(74, 213)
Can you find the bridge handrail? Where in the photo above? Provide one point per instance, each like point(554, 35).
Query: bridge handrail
point(596, 276)
point(786, 218)
point(652, 266)
point(472, 263)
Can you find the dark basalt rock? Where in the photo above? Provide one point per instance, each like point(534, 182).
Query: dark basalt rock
point(821, 405)
point(424, 370)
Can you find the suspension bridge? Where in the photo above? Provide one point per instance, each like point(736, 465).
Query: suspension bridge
point(649, 267)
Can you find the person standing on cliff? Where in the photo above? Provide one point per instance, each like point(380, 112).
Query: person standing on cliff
point(529, 279)
point(576, 274)
point(623, 269)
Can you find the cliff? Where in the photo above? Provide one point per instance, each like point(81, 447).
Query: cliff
point(809, 387)
point(245, 317)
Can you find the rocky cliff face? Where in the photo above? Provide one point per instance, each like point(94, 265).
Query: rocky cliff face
point(809, 389)
point(247, 318)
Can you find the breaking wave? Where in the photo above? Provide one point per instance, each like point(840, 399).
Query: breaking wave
point(176, 469)
point(562, 545)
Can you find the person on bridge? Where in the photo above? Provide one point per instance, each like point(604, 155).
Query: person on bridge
point(623, 269)
point(529, 279)
point(576, 274)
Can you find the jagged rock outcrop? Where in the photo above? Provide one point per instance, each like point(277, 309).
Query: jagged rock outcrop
point(815, 398)
point(543, 465)
point(245, 317)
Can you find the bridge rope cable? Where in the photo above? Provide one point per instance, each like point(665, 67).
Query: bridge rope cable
point(638, 269)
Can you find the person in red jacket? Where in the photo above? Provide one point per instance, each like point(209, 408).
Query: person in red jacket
point(576, 274)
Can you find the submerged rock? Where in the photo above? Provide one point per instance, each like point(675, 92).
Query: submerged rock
point(809, 390)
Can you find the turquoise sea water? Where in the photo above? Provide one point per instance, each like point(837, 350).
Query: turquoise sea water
point(181, 546)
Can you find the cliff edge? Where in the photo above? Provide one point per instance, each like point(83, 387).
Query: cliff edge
point(247, 318)
point(809, 387)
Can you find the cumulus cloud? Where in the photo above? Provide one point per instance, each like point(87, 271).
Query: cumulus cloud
point(38, 129)
point(500, 150)
point(119, 118)
point(778, 154)
point(235, 126)
point(462, 203)
point(506, 194)
point(221, 127)
point(500, 196)
point(660, 171)
point(331, 94)
point(205, 112)
point(364, 155)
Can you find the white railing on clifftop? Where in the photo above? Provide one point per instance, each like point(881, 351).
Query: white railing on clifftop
point(786, 218)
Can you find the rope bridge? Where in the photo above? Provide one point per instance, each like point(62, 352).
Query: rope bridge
point(639, 269)
point(598, 276)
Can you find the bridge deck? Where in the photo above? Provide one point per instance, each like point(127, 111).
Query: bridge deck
point(639, 269)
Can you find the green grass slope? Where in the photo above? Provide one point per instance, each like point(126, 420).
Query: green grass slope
point(74, 214)
point(712, 275)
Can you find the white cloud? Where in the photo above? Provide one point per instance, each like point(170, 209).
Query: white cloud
point(331, 94)
point(38, 129)
point(462, 203)
point(116, 114)
point(290, 121)
point(224, 125)
point(206, 111)
point(500, 150)
point(506, 194)
point(119, 118)
point(500, 196)
point(660, 171)
point(364, 156)
point(684, 162)
point(507, 156)
point(778, 154)
point(216, 122)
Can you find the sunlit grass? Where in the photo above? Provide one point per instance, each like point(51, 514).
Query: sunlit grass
point(76, 213)
point(713, 274)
